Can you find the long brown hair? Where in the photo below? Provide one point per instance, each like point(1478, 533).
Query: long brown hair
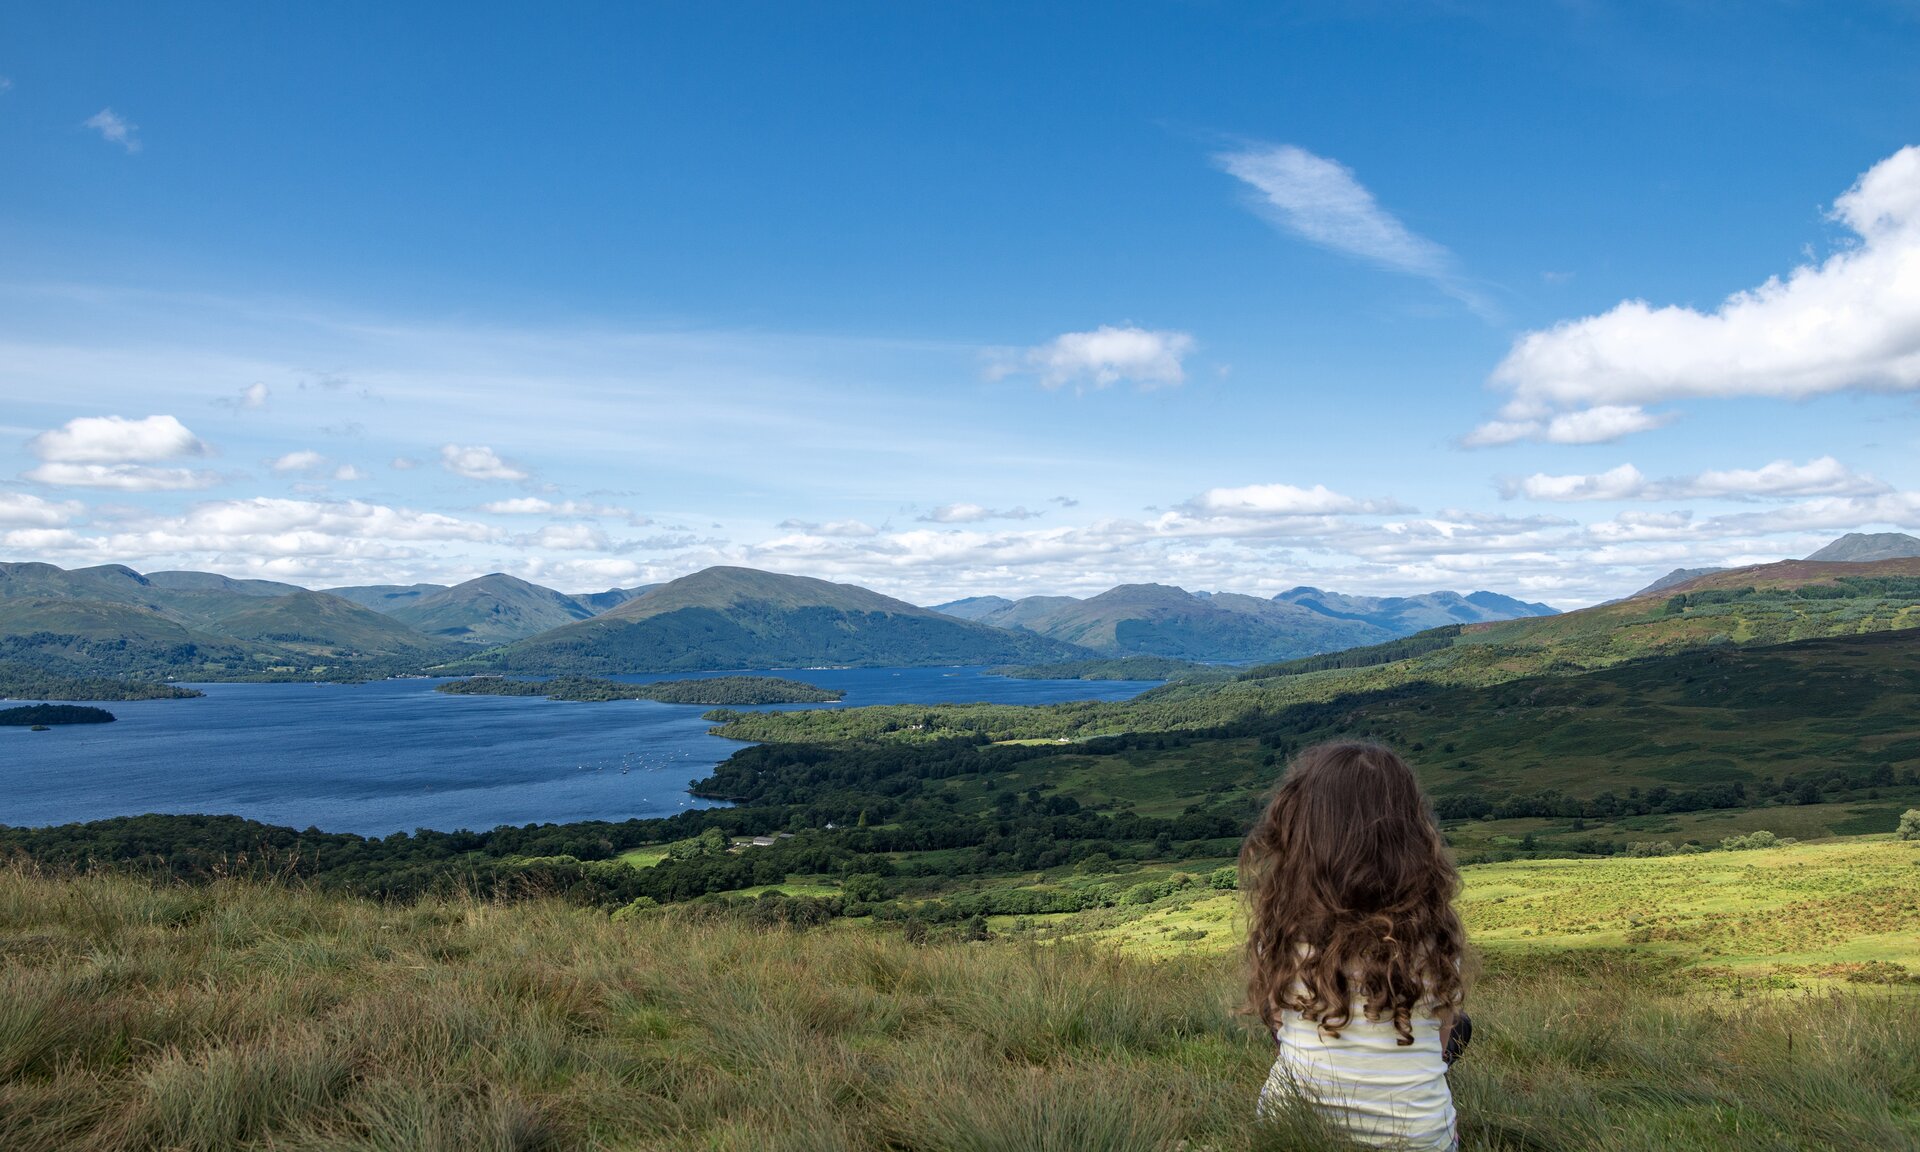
point(1351, 893)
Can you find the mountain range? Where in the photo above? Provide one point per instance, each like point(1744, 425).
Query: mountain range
point(1159, 620)
point(112, 620)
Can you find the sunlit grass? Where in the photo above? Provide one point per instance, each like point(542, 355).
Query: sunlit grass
point(253, 1017)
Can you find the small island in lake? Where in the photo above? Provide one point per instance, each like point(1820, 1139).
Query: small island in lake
point(732, 690)
point(42, 716)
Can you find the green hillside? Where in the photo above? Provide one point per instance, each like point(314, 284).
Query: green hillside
point(1763, 605)
point(112, 621)
point(387, 598)
point(743, 618)
point(1157, 620)
point(492, 609)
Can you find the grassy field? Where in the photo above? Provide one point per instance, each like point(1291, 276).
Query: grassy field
point(245, 1017)
point(1799, 915)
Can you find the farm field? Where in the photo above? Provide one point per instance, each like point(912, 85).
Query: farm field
point(1829, 911)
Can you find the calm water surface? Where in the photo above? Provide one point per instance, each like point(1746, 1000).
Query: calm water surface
point(396, 755)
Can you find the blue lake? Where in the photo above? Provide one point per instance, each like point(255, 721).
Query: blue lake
point(396, 755)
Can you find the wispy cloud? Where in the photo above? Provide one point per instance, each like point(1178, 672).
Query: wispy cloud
point(1850, 322)
point(973, 514)
point(1105, 356)
point(114, 129)
point(1824, 476)
point(251, 398)
point(1323, 202)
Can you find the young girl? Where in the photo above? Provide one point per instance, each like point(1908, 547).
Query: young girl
point(1354, 949)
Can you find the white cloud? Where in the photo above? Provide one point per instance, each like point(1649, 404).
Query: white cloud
point(478, 463)
point(124, 477)
point(1600, 425)
point(115, 452)
point(1824, 476)
point(116, 440)
point(114, 128)
point(571, 538)
point(536, 506)
point(304, 460)
point(22, 509)
point(1623, 483)
point(1851, 321)
point(1108, 355)
point(973, 514)
point(404, 464)
point(1322, 202)
point(348, 472)
point(844, 529)
point(1319, 200)
point(1259, 500)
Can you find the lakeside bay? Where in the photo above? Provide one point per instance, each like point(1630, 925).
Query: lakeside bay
point(395, 755)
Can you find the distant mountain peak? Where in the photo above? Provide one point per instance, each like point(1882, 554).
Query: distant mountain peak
point(1864, 547)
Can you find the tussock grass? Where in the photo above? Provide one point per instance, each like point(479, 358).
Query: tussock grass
point(240, 1016)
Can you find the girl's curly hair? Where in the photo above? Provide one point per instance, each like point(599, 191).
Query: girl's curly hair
point(1351, 890)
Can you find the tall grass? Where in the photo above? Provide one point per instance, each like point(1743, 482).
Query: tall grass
point(259, 1017)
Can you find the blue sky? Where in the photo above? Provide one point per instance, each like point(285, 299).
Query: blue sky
point(954, 300)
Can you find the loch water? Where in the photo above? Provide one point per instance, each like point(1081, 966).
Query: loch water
point(395, 755)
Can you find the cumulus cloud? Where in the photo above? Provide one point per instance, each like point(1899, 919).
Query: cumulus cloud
point(1106, 356)
point(22, 509)
point(114, 129)
point(478, 462)
point(1259, 500)
point(115, 452)
point(348, 472)
point(1851, 321)
point(1824, 476)
point(304, 460)
point(974, 513)
point(116, 440)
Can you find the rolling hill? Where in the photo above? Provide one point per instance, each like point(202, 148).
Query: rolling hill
point(386, 597)
point(491, 609)
point(1405, 615)
point(1159, 620)
point(1163, 621)
point(742, 618)
point(112, 620)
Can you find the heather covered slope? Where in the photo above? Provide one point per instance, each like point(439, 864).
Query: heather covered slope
point(744, 618)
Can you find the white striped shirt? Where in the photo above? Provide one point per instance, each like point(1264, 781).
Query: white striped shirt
point(1385, 1094)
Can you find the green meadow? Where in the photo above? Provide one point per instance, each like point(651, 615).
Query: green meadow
point(237, 1015)
point(1804, 915)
